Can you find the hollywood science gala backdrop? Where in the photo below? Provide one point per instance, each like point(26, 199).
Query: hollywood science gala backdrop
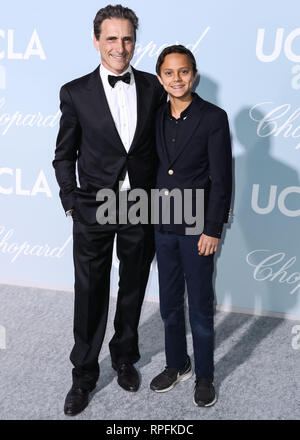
point(248, 55)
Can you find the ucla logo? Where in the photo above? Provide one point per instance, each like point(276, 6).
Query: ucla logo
point(273, 197)
point(14, 184)
point(281, 43)
point(2, 78)
point(33, 48)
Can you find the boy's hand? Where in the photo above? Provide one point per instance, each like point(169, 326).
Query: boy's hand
point(207, 245)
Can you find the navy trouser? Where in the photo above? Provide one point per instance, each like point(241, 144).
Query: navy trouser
point(179, 262)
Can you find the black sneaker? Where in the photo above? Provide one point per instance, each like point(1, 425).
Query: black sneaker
point(205, 394)
point(166, 380)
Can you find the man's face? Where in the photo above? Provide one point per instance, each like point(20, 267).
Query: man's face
point(116, 44)
point(176, 75)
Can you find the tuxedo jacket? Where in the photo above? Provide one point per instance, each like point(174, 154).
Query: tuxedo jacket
point(88, 137)
point(203, 160)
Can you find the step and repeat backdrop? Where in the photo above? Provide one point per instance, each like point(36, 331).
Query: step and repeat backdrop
point(248, 56)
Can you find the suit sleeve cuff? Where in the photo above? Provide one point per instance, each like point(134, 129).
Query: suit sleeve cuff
point(213, 229)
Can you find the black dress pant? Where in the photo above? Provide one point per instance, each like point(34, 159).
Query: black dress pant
point(92, 253)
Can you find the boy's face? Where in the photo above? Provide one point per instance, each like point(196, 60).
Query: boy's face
point(176, 75)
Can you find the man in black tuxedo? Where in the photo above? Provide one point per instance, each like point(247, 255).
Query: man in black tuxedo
point(194, 150)
point(107, 129)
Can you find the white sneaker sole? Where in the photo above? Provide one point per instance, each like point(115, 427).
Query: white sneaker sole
point(181, 378)
point(208, 404)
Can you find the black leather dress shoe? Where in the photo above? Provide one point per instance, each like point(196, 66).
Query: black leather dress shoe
point(128, 377)
point(76, 401)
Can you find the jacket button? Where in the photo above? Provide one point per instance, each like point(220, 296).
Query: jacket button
point(171, 172)
point(166, 193)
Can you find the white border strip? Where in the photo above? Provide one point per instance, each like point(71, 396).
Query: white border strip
point(152, 299)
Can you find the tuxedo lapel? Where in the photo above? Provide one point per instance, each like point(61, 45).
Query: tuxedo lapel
point(100, 105)
point(144, 93)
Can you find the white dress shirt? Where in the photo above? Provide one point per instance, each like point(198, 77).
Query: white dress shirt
point(122, 102)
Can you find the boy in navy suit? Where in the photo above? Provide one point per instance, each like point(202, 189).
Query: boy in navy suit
point(194, 150)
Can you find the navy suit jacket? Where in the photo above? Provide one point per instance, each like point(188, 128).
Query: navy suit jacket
point(203, 161)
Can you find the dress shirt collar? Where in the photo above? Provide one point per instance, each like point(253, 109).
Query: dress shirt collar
point(183, 114)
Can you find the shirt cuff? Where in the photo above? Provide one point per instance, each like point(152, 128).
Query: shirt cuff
point(213, 229)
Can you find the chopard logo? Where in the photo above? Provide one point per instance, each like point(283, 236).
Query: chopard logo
point(9, 246)
point(277, 121)
point(18, 119)
point(271, 267)
point(152, 49)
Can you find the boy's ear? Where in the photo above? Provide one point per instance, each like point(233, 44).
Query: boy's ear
point(159, 79)
point(195, 76)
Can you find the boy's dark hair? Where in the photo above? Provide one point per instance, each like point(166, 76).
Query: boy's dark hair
point(176, 48)
point(116, 11)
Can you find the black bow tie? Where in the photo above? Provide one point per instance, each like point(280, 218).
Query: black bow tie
point(114, 79)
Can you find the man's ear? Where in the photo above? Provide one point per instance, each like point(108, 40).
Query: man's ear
point(159, 79)
point(96, 43)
